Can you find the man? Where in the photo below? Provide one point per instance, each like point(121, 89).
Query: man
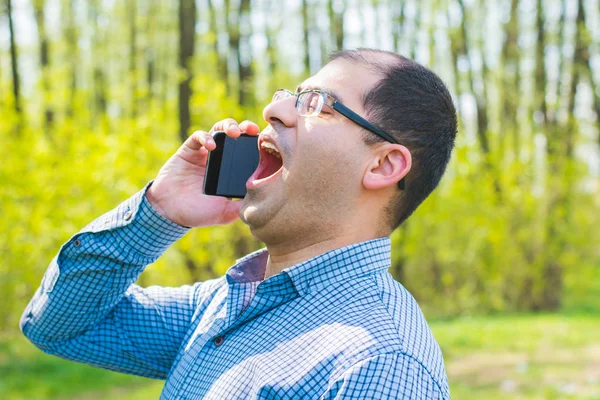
point(314, 315)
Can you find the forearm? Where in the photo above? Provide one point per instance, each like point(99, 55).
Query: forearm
point(94, 269)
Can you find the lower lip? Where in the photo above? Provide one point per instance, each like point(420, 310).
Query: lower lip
point(253, 183)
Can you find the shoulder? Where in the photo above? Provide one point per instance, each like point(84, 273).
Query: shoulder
point(397, 313)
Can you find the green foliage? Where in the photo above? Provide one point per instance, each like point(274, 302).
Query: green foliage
point(471, 248)
point(511, 230)
point(468, 249)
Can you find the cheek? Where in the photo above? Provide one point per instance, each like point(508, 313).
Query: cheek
point(325, 156)
point(323, 165)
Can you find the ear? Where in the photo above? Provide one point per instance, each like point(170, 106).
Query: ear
point(390, 164)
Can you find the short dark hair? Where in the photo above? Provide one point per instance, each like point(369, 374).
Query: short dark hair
point(413, 105)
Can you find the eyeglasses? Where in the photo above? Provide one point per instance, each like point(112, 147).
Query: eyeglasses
point(309, 103)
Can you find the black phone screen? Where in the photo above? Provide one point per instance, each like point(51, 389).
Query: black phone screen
point(230, 165)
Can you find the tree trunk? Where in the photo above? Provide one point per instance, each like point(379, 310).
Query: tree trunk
point(187, 20)
point(418, 25)
point(560, 152)
point(455, 49)
point(99, 79)
point(553, 114)
point(540, 67)
point(38, 6)
point(244, 56)
point(584, 55)
point(150, 55)
point(132, 10)
point(482, 119)
point(463, 51)
point(14, 61)
point(305, 30)
point(510, 82)
point(336, 23)
point(71, 37)
point(398, 23)
point(222, 56)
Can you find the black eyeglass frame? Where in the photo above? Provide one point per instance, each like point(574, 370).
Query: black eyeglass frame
point(351, 115)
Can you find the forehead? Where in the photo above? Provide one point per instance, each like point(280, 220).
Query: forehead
point(345, 80)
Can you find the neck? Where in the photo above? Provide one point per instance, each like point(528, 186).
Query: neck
point(285, 255)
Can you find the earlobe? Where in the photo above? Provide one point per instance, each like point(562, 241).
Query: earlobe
point(387, 168)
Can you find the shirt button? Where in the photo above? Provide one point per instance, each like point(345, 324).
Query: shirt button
point(127, 215)
point(218, 341)
point(77, 242)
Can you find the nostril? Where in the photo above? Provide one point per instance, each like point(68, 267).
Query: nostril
point(275, 120)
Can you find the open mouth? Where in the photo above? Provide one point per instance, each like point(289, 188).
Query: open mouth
point(270, 165)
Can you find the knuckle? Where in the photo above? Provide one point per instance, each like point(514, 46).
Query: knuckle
point(230, 122)
point(200, 135)
point(221, 125)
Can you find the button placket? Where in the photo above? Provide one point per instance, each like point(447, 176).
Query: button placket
point(200, 351)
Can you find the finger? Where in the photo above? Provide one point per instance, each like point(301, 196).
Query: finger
point(229, 126)
point(250, 128)
point(200, 139)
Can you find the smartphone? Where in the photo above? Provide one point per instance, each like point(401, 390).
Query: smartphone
point(230, 165)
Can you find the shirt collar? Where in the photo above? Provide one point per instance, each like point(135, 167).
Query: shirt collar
point(342, 264)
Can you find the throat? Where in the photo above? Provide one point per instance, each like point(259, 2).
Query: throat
point(269, 165)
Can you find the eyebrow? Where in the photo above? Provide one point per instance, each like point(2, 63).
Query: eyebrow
point(327, 90)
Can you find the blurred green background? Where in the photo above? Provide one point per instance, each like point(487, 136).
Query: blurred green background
point(504, 257)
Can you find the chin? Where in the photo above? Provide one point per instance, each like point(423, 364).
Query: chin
point(245, 211)
point(251, 215)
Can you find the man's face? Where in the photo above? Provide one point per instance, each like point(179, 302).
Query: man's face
point(319, 184)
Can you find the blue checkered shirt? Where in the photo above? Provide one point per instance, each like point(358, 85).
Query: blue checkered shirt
point(336, 326)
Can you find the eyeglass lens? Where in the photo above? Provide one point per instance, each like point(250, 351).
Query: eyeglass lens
point(280, 94)
point(308, 103)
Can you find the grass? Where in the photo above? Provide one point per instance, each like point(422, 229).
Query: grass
point(27, 373)
point(497, 357)
point(522, 357)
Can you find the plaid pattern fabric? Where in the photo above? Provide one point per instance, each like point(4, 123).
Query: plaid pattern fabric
point(336, 326)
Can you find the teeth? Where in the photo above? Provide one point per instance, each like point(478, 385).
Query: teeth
point(274, 152)
point(270, 148)
point(268, 145)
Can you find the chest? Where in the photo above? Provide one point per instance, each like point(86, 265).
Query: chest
point(291, 350)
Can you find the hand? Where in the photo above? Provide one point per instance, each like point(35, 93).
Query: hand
point(177, 193)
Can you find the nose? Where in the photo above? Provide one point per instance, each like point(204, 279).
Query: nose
point(282, 111)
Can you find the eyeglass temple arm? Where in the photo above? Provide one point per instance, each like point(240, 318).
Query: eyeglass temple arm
point(351, 115)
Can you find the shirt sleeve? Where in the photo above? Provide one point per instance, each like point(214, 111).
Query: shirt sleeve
point(87, 308)
point(385, 376)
